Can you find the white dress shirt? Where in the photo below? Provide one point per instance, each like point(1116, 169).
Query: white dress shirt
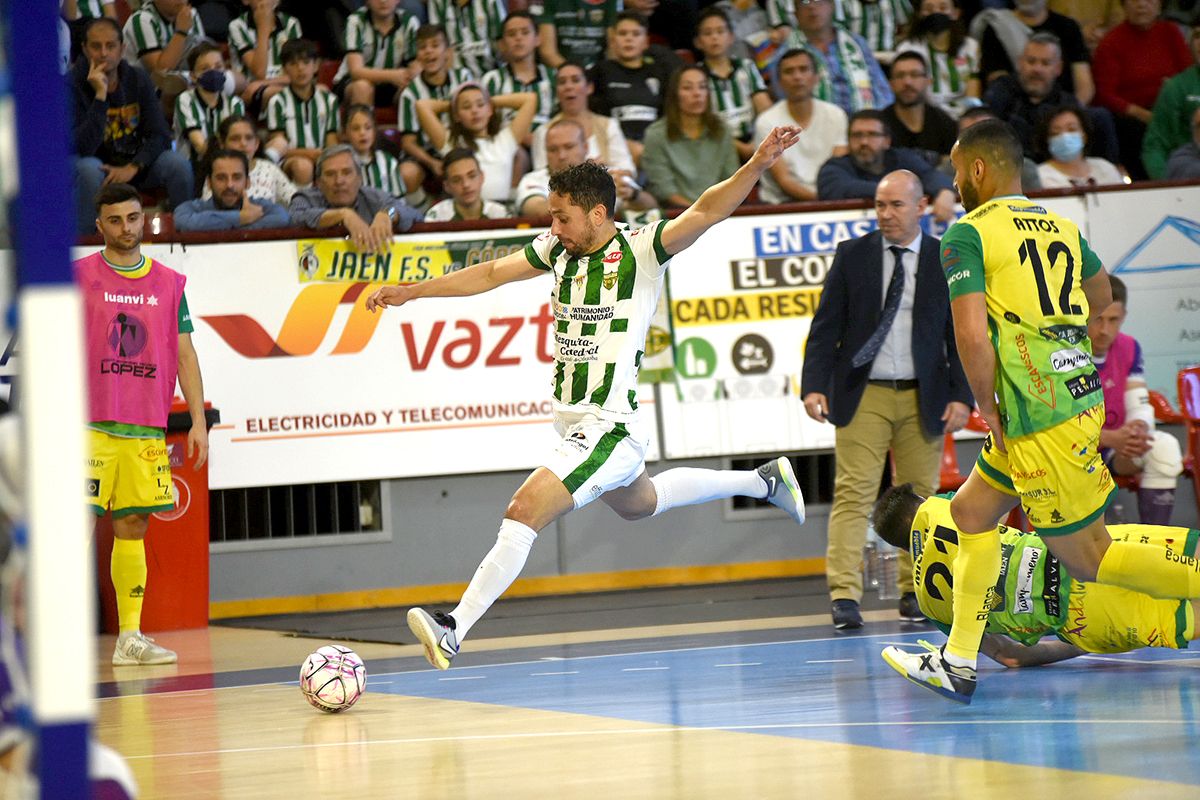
point(894, 361)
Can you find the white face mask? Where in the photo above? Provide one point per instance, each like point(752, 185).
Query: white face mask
point(1066, 146)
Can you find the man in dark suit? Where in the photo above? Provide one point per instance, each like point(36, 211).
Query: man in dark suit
point(881, 365)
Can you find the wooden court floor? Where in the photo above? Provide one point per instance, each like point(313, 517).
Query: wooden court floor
point(769, 708)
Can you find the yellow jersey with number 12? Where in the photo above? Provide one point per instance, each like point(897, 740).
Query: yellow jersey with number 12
point(1030, 263)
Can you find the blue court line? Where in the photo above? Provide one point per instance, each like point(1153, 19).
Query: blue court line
point(1137, 719)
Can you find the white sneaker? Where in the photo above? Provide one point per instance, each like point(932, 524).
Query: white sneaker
point(135, 648)
point(436, 633)
point(783, 490)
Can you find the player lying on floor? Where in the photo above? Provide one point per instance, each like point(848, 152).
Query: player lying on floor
point(1035, 597)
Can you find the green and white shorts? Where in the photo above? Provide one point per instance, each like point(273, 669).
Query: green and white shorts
point(596, 455)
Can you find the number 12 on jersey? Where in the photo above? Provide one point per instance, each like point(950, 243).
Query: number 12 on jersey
point(1028, 253)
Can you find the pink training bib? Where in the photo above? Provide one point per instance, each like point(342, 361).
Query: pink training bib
point(1114, 374)
point(131, 327)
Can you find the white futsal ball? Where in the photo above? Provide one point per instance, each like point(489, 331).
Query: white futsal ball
point(333, 678)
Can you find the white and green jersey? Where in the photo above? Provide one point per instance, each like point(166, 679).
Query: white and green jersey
point(603, 304)
point(243, 37)
point(877, 22)
point(382, 171)
point(502, 80)
point(146, 31)
point(734, 96)
point(306, 123)
point(380, 50)
point(92, 9)
point(471, 27)
point(193, 114)
point(418, 89)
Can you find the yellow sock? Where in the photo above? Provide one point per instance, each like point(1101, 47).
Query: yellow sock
point(1166, 574)
point(976, 568)
point(129, 579)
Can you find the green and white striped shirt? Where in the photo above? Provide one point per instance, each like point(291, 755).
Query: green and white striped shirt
point(147, 31)
point(420, 90)
point(243, 37)
point(192, 113)
point(305, 122)
point(382, 171)
point(603, 304)
point(92, 9)
point(876, 22)
point(734, 96)
point(471, 27)
point(380, 50)
point(501, 80)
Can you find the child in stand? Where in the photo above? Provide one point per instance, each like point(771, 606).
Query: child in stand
point(199, 110)
point(303, 117)
point(475, 124)
point(738, 89)
point(380, 168)
point(464, 181)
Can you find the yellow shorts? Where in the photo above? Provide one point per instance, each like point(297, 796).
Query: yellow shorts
point(132, 476)
point(1058, 473)
point(1109, 619)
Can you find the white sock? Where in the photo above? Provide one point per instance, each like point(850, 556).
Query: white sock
point(687, 486)
point(499, 568)
point(957, 661)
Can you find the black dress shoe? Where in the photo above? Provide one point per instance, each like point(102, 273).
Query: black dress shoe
point(910, 609)
point(846, 615)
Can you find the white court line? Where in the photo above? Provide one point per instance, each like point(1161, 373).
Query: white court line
point(741, 664)
point(666, 729)
point(643, 669)
point(831, 661)
point(567, 672)
point(465, 678)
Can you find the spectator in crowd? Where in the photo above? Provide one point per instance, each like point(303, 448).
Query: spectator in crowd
point(267, 181)
point(1128, 84)
point(381, 169)
point(369, 215)
point(629, 86)
point(1029, 169)
point(475, 124)
point(434, 78)
point(472, 27)
point(1184, 162)
point(1128, 441)
point(566, 146)
point(915, 123)
point(1002, 35)
point(229, 207)
point(77, 14)
point(882, 365)
point(1095, 17)
point(199, 110)
point(938, 33)
point(256, 39)
point(872, 156)
point(1064, 135)
point(878, 21)
point(794, 176)
point(606, 143)
point(735, 84)
point(672, 22)
point(1170, 121)
point(748, 21)
point(381, 40)
point(120, 134)
point(850, 75)
point(521, 71)
point(463, 179)
point(1025, 99)
point(575, 30)
point(158, 36)
point(302, 117)
point(689, 149)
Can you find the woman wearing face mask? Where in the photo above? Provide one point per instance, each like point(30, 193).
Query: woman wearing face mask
point(938, 33)
point(1064, 135)
point(199, 110)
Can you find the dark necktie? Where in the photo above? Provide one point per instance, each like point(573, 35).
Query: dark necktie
point(891, 304)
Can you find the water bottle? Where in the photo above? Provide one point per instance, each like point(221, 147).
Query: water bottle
point(880, 565)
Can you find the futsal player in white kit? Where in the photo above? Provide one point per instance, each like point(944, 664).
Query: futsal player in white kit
point(607, 284)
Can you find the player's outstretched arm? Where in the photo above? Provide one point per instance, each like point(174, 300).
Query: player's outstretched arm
point(719, 201)
point(1013, 654)
point(476, 279)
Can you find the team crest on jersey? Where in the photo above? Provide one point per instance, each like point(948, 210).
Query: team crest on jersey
point(609, 280)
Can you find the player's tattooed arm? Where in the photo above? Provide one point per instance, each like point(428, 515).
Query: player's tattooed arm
point(1013, 654)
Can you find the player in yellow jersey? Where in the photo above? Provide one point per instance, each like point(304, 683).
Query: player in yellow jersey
point(1042, 614)
point(1022, 284)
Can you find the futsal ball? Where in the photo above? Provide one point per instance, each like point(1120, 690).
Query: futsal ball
point(333, 678)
